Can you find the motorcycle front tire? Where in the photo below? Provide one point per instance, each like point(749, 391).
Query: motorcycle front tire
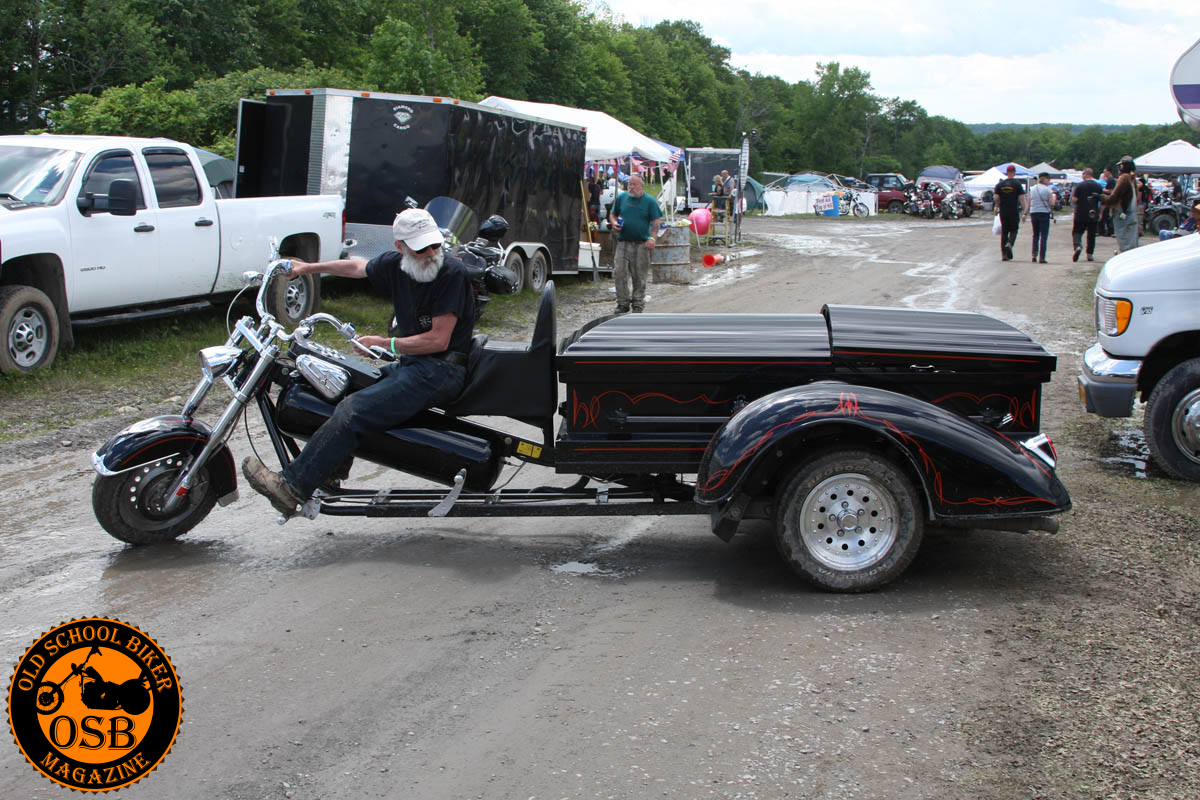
point(128, 504)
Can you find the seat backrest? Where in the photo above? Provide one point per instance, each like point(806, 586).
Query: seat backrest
point(514, 379)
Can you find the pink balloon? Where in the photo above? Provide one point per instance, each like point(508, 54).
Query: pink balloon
point(701, 218)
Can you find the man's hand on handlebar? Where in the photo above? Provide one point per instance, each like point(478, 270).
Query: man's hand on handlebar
point(375, 346)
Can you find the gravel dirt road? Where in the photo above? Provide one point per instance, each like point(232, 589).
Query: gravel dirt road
point(642, 657)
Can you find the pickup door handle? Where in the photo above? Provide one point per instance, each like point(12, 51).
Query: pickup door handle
point(145, 227)
point(203, 223)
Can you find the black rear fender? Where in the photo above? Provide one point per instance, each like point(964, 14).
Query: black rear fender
point(964, 469)
point(158, 437)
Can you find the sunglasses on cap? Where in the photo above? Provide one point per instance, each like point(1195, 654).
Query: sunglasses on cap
point(426, 249)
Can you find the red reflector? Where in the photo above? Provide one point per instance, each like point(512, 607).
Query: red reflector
point(182, 491)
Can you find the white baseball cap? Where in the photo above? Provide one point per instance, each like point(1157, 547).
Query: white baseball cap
point(416, 228)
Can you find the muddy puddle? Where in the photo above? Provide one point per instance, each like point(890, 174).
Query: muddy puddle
point(1126, 453)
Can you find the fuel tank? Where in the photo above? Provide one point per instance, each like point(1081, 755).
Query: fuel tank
point(435, 448)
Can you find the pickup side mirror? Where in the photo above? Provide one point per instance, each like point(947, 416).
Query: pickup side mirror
point(122, 198)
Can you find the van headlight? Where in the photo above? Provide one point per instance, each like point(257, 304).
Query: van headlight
point(216, 361)
point(1112, 315)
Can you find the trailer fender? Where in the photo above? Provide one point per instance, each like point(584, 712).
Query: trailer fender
point(158, 437)
point(963, 468)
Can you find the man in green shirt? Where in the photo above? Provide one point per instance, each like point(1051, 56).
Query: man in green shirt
point(636, 216)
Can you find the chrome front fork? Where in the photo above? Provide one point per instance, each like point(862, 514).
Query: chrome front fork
point(223, 427)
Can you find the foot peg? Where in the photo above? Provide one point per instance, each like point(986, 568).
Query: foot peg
point(447, 502)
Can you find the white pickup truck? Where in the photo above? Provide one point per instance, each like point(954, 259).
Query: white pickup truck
point(1148, 330)
point(99, 229)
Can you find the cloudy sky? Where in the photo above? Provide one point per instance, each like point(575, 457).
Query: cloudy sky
point(1073, 61)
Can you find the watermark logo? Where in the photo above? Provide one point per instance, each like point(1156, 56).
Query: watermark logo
point(95, 704)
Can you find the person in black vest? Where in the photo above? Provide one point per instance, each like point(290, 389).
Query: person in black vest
point(1110, 183)
point(1086, 199)
point(1011, 203)
point(435, 313)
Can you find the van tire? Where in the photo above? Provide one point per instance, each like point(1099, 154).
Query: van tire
point(1174, 441)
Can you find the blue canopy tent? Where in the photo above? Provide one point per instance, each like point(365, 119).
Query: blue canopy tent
point(1003, 168)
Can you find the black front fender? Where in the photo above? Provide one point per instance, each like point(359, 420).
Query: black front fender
point(965, 469)
point(151, 439)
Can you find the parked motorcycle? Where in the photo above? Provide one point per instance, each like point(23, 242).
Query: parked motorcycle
point(851, 204)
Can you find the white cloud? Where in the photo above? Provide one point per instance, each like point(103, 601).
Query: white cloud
point(1075, 61)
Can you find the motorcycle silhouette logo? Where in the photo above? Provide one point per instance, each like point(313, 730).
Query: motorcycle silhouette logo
point(95, 704)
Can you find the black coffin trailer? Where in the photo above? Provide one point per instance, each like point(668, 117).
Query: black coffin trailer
point(376, 149)
point(852, 429)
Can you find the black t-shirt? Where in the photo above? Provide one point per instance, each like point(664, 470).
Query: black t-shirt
point(416, 304)
point(1008, 195)
point(1087, 196)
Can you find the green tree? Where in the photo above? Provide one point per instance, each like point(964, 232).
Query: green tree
point(421, 52)
point(509, 41)
point(146, 110)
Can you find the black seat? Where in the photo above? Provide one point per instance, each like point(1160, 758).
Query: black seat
point(513, 379)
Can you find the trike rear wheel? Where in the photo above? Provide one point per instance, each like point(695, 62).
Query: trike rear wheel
point(848, 521)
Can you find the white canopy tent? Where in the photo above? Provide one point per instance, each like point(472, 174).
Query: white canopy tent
point(1174, 158)
point(607, 137)
point(984, 181)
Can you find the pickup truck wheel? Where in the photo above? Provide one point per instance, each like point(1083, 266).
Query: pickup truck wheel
point(1172, 423)
point(848, 521)
point(129, 505)
point(895, 207)
point(516, 263)
point(537, 270)
point(30, 327)
point(291, 301)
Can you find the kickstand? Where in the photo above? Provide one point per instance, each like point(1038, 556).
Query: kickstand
point(447, 502)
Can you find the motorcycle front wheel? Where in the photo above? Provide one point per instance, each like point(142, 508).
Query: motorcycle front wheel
point(129, 505)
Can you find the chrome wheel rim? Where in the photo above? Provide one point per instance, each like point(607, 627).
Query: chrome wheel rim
point(1185, 426)
point(849, 521)
point(28, 337)
point(295, 298)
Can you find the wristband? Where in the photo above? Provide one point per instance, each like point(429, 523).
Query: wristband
point(394, 346)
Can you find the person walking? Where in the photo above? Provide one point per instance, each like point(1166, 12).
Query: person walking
point(1085, 198)
point(1109, 183)
point(1122, 202)
point(1011, 202)
point(636, 215)
point(1041, 203)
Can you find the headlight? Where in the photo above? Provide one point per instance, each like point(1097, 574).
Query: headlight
point(1112, 315)
point(216, 361)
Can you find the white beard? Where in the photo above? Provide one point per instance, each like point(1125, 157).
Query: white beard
point(422, 269)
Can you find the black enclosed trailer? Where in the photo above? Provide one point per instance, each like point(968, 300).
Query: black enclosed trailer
point(377, 149)
point(700, 164)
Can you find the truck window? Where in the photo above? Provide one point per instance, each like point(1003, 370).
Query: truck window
point(891, 183)
point(174, 179)
point(106, 169)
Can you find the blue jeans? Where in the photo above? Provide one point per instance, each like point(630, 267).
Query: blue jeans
point(408, 386)
point(1041, 232)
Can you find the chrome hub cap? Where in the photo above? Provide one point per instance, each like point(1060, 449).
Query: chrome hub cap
point(1185, 425)
point(849, 521)
point(28, 337)
point(295, 298)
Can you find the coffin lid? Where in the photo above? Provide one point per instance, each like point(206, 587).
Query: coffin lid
point(860, 334)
